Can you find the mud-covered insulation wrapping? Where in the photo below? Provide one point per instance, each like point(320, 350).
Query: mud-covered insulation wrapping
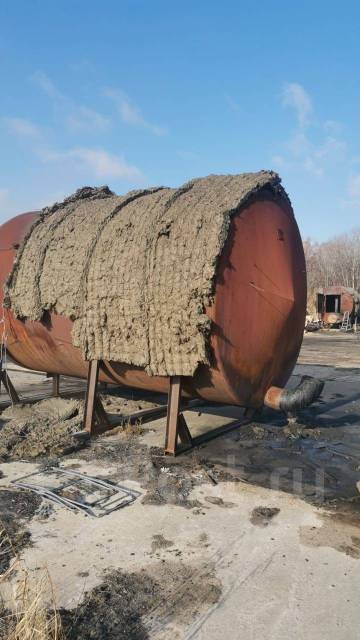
point(135, 273)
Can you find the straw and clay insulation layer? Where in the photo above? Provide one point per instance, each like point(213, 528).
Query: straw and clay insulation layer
point(134, 272)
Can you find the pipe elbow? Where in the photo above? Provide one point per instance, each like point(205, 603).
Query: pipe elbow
point(292, 400)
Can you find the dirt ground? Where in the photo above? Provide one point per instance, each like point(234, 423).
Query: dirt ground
point(49, 428)
point(258, 530)
point(331, 347)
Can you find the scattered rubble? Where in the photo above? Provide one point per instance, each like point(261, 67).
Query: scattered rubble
point(262, 516)
point(47, 428)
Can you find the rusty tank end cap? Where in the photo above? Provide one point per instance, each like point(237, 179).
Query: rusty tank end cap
point(291, 400)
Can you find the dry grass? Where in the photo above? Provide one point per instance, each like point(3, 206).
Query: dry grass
point(7, 550)
point(34, 618)
point(132, 429)
point(30, 612)
point(127, 427)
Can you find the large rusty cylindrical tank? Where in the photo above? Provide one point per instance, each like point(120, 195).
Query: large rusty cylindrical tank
point(257, 314)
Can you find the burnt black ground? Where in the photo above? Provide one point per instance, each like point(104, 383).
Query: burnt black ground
point(16, 508)
point(316, 457)
point(113, 610)
point(131, 606)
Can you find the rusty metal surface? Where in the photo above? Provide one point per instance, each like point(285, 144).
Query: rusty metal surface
point(56, 385)
point(14, 231)
point(89, 411)
point(176, 427)
point(272, 397)
point(260, 303)
point(258, 315)
point(347, 303)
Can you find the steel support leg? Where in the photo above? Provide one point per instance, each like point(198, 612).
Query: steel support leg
point(94, 410)
point(12, 393)
point(176, 427)
point(89, 410)
point(101, 416)
point(56, 385)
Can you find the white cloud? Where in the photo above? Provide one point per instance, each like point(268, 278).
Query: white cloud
point(279, 162)
point(131, 114)
point(21, 127)
point(295, 96)
point(84, 119)
point(333, 127)
point(98, 162)
point(47, 86)
point(77, 117)
point(299, 144)
point(106, 165)
point(329, 152)
point(313, 167)
point(313, 153)
point(331, 147)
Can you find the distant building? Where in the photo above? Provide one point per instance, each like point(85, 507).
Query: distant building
point(333, 302)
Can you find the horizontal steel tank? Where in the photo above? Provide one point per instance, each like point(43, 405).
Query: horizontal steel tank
point(257, 315)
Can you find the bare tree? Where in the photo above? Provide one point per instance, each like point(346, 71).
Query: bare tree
point(335, 262)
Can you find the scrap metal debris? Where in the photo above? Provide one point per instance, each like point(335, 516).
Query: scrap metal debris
point(78, 491)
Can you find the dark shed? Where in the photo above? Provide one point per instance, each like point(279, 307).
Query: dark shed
point(333, 302)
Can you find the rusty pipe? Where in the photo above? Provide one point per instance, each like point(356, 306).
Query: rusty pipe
point(291, 400)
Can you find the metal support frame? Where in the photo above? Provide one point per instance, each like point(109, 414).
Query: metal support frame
point(178, 438)
point(95, 417)
point(56, 385)
point(176, 427)
point(5, 380)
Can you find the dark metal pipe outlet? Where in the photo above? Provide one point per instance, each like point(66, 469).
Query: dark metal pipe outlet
point(292, 400)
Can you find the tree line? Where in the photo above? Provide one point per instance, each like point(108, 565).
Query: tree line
point(335, 262)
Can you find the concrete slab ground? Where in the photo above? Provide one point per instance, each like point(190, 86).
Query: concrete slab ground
point(254, 535)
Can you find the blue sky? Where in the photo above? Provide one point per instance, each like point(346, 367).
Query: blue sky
point(146, 92)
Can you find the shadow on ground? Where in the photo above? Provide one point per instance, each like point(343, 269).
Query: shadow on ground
point(316, 456)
